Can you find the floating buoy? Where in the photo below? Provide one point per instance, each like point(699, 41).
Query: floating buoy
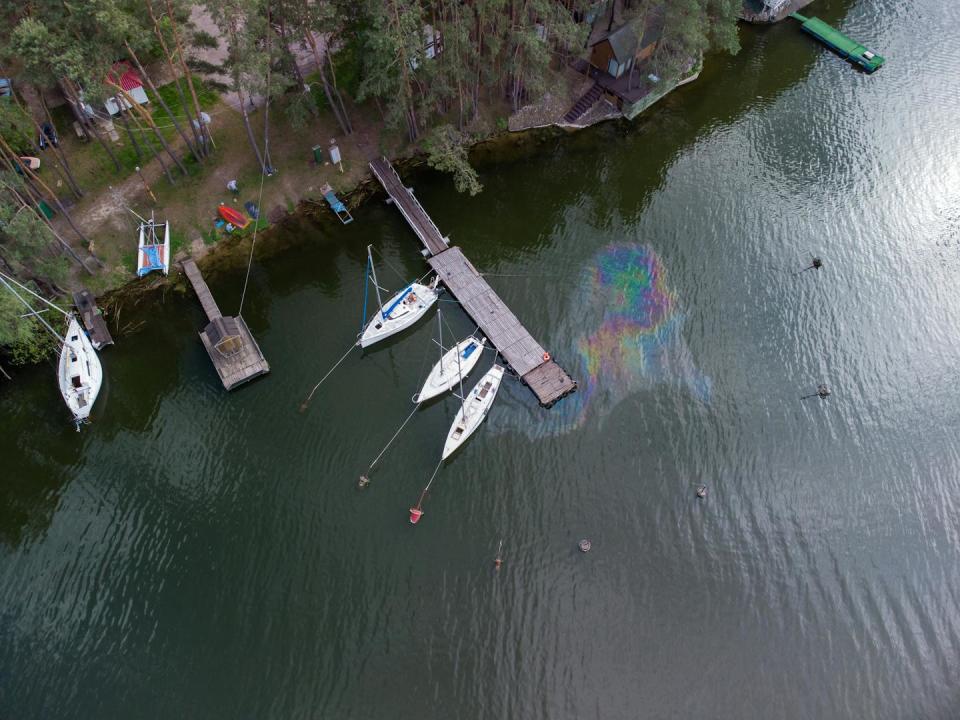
point(363, 482)
point(585, 545)
point(415, 515)
point(702, 491)
point(823, 392)
point(546, 357)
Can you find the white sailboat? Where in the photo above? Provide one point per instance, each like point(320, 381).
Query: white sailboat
point(454, 365)
point(473, 410)
point(79, 372)
point(402, 310)
point(152, 254)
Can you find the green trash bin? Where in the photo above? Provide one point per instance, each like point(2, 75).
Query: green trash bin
point(318, 154)
point(46, 209)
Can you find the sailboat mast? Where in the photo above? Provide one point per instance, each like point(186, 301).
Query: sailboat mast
point(376, 283)
point(38, 297)
point(440, 325)
point(32, 311)
point(463, 407)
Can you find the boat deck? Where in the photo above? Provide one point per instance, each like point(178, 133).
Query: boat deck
point(243, 361)
point(92, 318)
point(838, 42)
point(524, 355)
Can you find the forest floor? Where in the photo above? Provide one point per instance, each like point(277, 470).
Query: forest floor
point(105, 213)
point(190, 204)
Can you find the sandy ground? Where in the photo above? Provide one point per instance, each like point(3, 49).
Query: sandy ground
point(217, 56)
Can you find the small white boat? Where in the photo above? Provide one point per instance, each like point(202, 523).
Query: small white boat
point(455, 364)
point(152, 253)
point(473, 410)
point(80, 373)
point(402, 311)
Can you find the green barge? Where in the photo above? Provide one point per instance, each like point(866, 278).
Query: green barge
point(840, 43)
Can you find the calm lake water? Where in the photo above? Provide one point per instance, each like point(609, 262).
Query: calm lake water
point(198, 554)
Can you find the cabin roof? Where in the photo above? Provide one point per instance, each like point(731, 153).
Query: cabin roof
point(623, 42)
point(125, 76)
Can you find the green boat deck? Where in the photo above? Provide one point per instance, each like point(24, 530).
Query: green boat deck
point(840, 43)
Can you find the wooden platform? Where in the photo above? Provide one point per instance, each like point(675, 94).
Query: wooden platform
point(92, 318)
point(201, 289)
point(524, 355)
point(409, 206)
point(230, 344)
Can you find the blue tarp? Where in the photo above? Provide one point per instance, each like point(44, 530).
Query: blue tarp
point(386, 313)
point(468, 351)
point(152, 253)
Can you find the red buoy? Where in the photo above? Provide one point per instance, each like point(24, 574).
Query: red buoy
point(415, 515)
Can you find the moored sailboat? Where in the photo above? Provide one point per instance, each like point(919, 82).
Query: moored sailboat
point(473, 410)
point(402, 310)
point(79, 372)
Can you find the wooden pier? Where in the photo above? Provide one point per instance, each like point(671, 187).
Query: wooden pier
point(525, 356)
point(228, 340)
point(92, 319)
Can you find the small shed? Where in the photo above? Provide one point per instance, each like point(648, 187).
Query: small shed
point(126, 77)
point(224, 334)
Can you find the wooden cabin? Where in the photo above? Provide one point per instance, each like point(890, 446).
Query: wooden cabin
point(618, 51)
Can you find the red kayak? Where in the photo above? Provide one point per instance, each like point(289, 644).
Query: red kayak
point(234, 217)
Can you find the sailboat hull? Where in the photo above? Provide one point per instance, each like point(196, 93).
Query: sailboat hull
point(473, 411)
point(79, 372)
point(447, 373)
point(404, 309)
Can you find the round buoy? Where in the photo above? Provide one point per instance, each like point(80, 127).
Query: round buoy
point(546, 357)
point(702, 491)
point(363, 482)
point(585, 545)
point(415, 515)
point(823, 392)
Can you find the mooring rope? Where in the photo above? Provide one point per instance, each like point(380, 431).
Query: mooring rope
point(364, 478)
point(423, 494)
point(305, 403)
point(253, 244)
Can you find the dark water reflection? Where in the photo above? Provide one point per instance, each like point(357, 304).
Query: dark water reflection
point(197, 554)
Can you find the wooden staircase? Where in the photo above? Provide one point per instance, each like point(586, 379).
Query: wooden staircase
point(584, 103)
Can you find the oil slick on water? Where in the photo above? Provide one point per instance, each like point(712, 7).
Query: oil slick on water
point(633, 339)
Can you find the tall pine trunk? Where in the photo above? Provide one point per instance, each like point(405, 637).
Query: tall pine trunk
point(327, 89)
point(204, 130)
point(163, 104)
point(63, 167)
point(89, 126)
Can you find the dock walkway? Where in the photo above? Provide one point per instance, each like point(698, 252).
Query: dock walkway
point(409, 206)
point(228, 341)
point(92, 319)
point(525, 356)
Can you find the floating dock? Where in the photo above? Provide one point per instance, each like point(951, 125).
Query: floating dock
point(92, 319)
point(525, 356)
point(838, 42)
point(229, 343)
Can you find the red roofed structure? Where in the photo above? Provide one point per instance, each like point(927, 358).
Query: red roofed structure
point(126, 77)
